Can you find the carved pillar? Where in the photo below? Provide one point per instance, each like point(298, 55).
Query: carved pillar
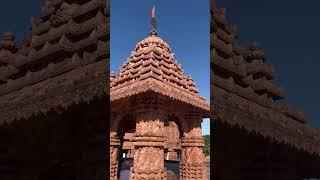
point(114, 145)
point(149, 147)
point(192, 165)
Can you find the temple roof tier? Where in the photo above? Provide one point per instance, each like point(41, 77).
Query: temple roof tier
point(260, 68)
point(241, 50)
point(263, 85)
point(152, 67)
point(299, 116)
point(59, 12)
point(256, 53)
point(229, 65)
point(220, 16)
point(222, 46)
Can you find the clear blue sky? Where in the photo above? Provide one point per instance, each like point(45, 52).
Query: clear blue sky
point(184, 25)
point(15, 16)
point(289, 34)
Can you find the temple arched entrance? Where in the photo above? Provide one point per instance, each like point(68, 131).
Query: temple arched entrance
point(172, 148)
point(173, 135)
point(180, 134)
point(126, 130)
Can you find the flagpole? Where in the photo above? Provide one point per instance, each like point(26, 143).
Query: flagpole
point(153, 20)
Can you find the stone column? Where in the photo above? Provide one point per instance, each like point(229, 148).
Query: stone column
point(149, 147)
point(114, 145)
point(192, 165)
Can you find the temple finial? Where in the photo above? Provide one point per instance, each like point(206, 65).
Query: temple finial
point(153, 32)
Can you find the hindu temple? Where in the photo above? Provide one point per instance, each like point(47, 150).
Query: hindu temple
point(255, 137)
point(53, 94)
point(156, 115)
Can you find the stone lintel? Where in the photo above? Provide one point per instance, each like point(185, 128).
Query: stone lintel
point(151, 144)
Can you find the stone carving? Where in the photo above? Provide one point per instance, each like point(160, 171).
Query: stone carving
point(8, 69)
point(193, 156)
point(172, 134)
point(150, 128)
point(147, 100)
point(113, 154)
point(113, 134)
point(193, 164)
point(148, 164)
point(113, 163)
point(63, 14)
point(25, 46)
point(193, 133)
point(149, 160)
point(35, 22)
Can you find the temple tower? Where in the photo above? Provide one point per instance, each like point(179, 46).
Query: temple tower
point(150, 91)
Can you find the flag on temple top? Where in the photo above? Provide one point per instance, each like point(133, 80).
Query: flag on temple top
point(153, 12)
point(153, 18)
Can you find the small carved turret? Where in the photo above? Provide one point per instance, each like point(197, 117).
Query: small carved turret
point(257, 66)
point(256, 52)
point(35, 22)
point(234, 31)
point(8, 51)
point(8, 42)
point(261, 73)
